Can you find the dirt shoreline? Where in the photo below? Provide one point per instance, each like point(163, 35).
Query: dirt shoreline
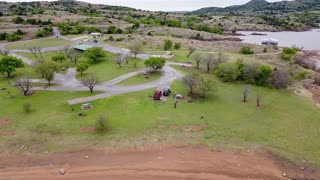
point(156, 163)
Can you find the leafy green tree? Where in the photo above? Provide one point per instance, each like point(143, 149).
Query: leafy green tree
point(136, 48)
point(95, 54)
point(264, 73)
point(82, 67)
point(58, 58)
point(8, 64)
point(155, 63)
point(49, 69)
point(225, 71)
point(204, 85)
point(167, 44)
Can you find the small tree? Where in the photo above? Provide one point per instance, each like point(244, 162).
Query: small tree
point(191, 50)
point(198, 58)
point(82, 67)
point(35, 51)
point(239, 70)
point(245, 93)
point(74, 56)
point(24, 85)
point(8, 64)
point(49, 68)
point(155, 63)
point(258, 99)
point(191, 82)
point(90, 82)
point(167, 44)
point(95, 54)
point(27, 107)
point(205, 84)
point(119, 61)
point(58, 58)
point(209, 61)
point(136, 48)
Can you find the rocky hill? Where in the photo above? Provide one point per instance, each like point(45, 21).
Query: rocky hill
point(263, 6)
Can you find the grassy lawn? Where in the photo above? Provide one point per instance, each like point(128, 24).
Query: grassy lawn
point(279, 124)
point(105, 70)
point(108, 69)
point(285, 124)
point(43, 43)
point(141, 79)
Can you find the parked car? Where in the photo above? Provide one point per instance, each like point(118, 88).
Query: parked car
point(157, 95)
point(166, 92)
point(95, 41)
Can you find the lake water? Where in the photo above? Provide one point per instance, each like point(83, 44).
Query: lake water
point(309, 40)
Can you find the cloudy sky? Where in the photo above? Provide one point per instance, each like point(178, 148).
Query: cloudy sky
point(166, 5)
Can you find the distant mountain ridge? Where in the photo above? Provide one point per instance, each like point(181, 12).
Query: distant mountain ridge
point(265, 6)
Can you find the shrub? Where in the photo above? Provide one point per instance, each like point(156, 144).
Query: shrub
point(167, 44)
point(119, 39)
point(288, 53)
point(111, 38)
point(246, 50)
point(225, 71)
point(27, 107)
point(264, 73)
point(102, 123)
point(265, 49)
point(301, 75)
point(279, 79)
point(317, 79)
point(177, 45)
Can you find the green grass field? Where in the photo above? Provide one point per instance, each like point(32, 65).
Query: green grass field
point(140, 79)
point(43, 43)
point(285, 124)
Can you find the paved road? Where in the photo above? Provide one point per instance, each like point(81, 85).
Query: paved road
point(69, 82)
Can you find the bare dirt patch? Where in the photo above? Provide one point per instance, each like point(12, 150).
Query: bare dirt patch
point(88, 130)
point(4, 122)
point(6, 133)
point(189, 128)
point(157, 163)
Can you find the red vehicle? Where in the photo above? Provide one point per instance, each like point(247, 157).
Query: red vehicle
point(157, 95)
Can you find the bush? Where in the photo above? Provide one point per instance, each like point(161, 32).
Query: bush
point(27, 107)
point(102, 123)
point(225, 71)
point(167, 44)
point(246, 50)
point(301, 75)
point(177, 45)
point(111, 38)
point(279, 79)
point(288, 53)
point(119, 39)
point(317, 79)
point(265, 49)
point(264, 73)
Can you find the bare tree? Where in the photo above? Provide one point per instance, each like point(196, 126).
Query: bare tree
point(67, 50)
point(24, 85)
point(191, 49)
point(4, 52)
point(74, 56)
point(245, 93)
point(136, 48)
point(90, 82)
point(205, 84)
point(119, 60)
point(198, 59)
point(258, 98)
point(209, 61)
point(35, 51)
point(191, 82)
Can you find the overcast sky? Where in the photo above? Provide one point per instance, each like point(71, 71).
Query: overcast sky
point(166, 5)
